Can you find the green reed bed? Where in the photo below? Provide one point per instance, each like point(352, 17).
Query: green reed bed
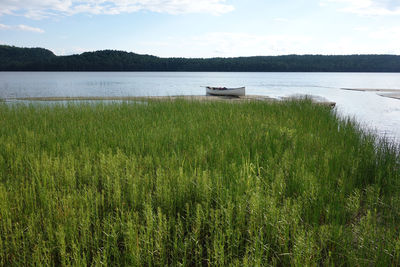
point(195, 183)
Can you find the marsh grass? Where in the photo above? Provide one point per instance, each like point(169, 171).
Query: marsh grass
point(195, 183)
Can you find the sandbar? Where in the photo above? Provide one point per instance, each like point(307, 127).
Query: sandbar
point(394, 95)
point(161, 98)
point(371, 90)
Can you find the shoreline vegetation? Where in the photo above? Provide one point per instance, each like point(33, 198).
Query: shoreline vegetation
point(40, 59)
point(164, 98)
point(195, 183)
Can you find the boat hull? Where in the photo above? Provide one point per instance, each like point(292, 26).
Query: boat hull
point(240, 91)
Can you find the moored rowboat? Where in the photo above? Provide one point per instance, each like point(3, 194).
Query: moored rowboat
point(240, 91)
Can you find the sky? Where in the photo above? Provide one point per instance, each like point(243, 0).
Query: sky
point(204, 28)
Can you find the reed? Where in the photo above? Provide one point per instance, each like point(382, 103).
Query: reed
point(195, 183)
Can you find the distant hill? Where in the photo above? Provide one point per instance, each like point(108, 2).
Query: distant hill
point(15, 58)
point(39, 59)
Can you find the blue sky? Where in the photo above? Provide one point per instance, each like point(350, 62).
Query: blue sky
point(204, 28)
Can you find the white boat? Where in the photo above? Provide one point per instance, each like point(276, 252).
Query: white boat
point(240, 91)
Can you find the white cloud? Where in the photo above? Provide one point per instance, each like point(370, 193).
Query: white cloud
point(361, 29)
point(368, 7)
point(384, 41)
point(29, 28)
point(46, 8)
point(389, 38)
point(281, 20)
point(389, 34)
point(226, 44)
point(21, 27)
point(5, 27)
point(344, 46)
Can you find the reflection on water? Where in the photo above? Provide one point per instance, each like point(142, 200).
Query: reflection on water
point(368, 108)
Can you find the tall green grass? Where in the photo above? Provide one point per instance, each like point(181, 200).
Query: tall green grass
point(191, 183)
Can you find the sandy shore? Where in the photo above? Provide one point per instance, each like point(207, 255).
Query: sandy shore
point(393, 95)
point(145, 98)
point(372, 90)
point(162, 98)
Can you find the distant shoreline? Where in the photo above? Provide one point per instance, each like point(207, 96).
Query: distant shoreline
point(40, 59)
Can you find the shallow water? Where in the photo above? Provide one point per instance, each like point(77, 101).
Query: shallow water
point(371, 110)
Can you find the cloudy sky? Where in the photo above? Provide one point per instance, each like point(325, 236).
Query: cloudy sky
point(204, 28)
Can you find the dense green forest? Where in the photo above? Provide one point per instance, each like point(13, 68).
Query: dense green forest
point(39, 59)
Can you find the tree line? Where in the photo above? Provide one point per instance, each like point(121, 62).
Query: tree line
point(40, 59)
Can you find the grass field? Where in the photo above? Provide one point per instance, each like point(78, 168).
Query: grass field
point(195, 183)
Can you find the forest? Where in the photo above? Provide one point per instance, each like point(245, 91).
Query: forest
point(40, 59)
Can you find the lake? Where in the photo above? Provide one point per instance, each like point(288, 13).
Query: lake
point(375, 112)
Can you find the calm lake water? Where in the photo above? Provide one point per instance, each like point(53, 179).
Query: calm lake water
point(377, 113)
